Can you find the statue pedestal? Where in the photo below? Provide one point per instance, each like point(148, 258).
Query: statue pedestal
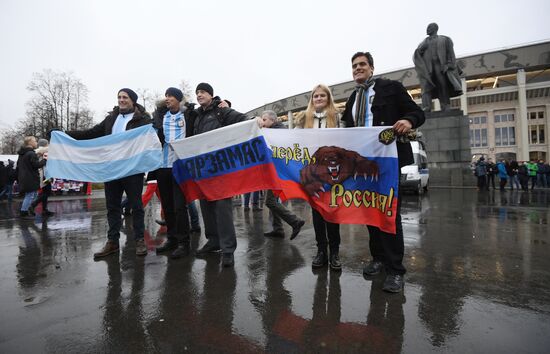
point(447, 138)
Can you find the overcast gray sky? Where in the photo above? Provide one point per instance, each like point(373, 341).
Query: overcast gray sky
point(251, 52)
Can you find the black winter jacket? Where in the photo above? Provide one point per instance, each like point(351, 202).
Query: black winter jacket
point(3, 175)
point(213, 117)
point(391, 103)
point(27, 170)
point(277, 125)
point(139, 119)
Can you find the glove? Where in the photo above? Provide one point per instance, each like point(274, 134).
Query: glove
point(49, 134)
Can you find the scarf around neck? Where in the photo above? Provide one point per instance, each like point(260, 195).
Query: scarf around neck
point(361, 101)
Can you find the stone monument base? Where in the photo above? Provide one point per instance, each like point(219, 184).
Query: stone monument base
point(446, 135)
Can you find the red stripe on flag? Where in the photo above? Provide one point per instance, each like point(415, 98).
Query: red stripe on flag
point(353, 208)
point(260, 177)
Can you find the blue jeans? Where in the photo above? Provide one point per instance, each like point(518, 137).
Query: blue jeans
point(541, 180)
point(514, 181)
point(29, 197)
point(7, 191)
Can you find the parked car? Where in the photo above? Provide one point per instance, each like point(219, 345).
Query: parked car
point(416, 177)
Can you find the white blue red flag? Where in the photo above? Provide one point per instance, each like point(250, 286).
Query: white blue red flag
point(106, 158)
point(224, 162)
point(349, 175)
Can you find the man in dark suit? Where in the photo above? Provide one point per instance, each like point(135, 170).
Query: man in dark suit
point(383, 102)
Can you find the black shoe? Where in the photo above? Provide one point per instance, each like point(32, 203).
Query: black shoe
point(127, 212)
point(275, 234)
point(168, 245)
point(207, 248)
point(25, 215)
point(320, 260)
point(161, 222)
point(296, 229)
point(393, 283)
point(228, 260)
point(182, 251)
point(30, 211)
point(373, 268)
point(246, 208)
point(335, 262)
point(46, 213)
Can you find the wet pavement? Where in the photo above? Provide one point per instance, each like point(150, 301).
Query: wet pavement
point(478, 281)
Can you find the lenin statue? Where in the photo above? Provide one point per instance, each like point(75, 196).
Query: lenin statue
point(435, 63)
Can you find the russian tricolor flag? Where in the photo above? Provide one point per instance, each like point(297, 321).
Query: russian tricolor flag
point(224, 162)
point(350, 176)
point(105, 158)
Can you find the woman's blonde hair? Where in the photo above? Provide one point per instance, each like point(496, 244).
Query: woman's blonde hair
point(27, 140)
point(332, 113)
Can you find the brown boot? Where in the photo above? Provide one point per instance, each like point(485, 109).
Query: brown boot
point(110, 247)
point(141, 249)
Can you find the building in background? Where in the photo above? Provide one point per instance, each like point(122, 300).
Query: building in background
point(507, 100)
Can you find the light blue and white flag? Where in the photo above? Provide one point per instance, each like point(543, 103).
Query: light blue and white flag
point(106, 158)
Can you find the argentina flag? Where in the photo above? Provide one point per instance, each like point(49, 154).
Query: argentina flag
point(105, 158)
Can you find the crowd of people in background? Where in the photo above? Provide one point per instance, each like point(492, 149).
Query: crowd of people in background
point(517, 175)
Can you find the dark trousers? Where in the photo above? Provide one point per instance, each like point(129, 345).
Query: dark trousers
point(279, 212)
point(193, 215)
point(482, 182)
point(502, 183)
point(389, 248)
point(174, 205)
point(43, 197)
point(133, 186)
point(490, 181)
point(533, 180)
point(218, 224)
point(524, 181)
point(326, 233)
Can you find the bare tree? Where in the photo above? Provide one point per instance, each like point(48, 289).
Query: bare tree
point(10, 141)
point(188, 93)
point(58, 101)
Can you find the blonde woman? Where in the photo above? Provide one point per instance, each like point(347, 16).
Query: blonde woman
point(321, 113)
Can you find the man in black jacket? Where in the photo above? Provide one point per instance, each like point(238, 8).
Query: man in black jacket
point(127, 115)
point(383, 102)
point(217, 215)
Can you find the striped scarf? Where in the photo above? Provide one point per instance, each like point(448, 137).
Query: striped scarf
point(361, 102)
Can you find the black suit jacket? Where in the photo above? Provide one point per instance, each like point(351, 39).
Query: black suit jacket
point(391, 103)
point(140, 118)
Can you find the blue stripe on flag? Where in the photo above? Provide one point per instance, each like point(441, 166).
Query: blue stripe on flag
point(61, 138)
point(106, 170)
point(233, 158)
